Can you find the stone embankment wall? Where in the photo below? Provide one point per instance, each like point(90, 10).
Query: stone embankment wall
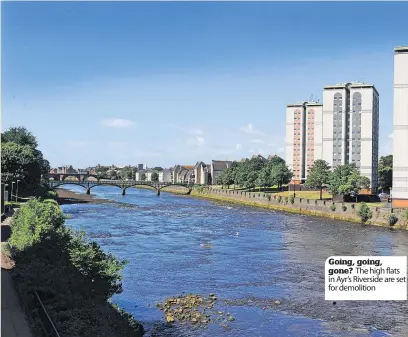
point(340, 211)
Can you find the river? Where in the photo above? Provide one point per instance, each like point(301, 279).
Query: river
point(248, 257)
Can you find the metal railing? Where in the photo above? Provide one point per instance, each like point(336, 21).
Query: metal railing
point(47, 324)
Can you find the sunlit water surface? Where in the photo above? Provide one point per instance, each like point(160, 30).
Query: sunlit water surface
point(256, 257)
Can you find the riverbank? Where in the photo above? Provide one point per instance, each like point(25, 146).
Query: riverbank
point(69, 197)
point(53, 272)
point(320, 208)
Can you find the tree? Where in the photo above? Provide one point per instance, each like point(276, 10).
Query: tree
point(264, 176)
point(227, 177)
point(127, 173)
point(20, 136)
point(318, 175)
point(20, 158)
point(280, 174)
point(102, 172)
point(385, 172)
point(339, 176)
point(155, 176)
point(22, 162)
point(158, 168)
point(143, 177)
point(346, 179)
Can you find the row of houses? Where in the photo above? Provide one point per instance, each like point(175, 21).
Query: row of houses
point(200, 173)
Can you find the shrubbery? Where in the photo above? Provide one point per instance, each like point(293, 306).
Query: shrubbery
point(72, 275)
point(364, 212)
point(292, 199)
point(333, 207)
point(392, 219)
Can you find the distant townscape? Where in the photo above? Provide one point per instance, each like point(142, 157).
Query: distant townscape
point(200, 173)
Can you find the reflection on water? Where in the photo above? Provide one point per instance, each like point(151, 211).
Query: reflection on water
point(249, 257)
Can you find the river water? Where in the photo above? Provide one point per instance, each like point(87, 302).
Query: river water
point(248, 257)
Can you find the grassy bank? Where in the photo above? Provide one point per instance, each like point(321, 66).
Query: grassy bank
point(74, 278)
point(286, 207)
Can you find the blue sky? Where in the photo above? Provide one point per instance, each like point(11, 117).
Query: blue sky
point(174, 83)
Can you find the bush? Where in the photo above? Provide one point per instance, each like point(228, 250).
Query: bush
point(49, 195)
point(353, 206)
point(71, 274)
point(33, 222)
point(279, 198)
point(292, 199)
point(333, 207)
point(286, 200)
point(364, 212)
point(392, 219)
point(405, 215)
point(344, 208)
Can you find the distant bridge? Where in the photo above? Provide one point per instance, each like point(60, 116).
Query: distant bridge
point(87, 184)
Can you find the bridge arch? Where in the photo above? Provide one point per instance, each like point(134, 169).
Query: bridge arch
point(142, 184)
point(186, 187)
point(62, 182)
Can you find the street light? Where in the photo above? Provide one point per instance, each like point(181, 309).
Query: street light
point(390, 197)
point(12, 190)
point(17, 190)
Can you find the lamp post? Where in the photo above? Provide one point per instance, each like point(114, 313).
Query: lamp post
point(12, 190)
point(2, 200)
point(390, 197)
point(17, 190)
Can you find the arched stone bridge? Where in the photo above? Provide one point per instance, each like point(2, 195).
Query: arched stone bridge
point(123, 184)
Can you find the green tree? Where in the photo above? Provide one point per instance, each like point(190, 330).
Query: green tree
point(280, 174)
point(318, 175)
point(385, 172)
point(20, 136)
point(155, 176)
point(158, 168)
point(143, 177)
point(339, 177)
point(264, 177)
point(20, 158)
point(227, 177)
point(127, 173)
point(354, 184)
point(21, 162)
point(102, 172)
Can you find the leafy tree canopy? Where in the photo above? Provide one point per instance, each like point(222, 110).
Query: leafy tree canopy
point(346, 179)
point(20, 136)
point(155, 176)
point(385, 172)
point(318, 175)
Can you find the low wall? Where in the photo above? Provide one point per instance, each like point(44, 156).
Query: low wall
point(340, 211)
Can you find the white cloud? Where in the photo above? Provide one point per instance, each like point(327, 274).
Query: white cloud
point(117, 123)
point(280, 150)
point(238, 146)
point(257, 141)
point(251, 130)
point(251, 151)
point(391, 135)
point(196, 141)
point(197, 132)
point(271, 144)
